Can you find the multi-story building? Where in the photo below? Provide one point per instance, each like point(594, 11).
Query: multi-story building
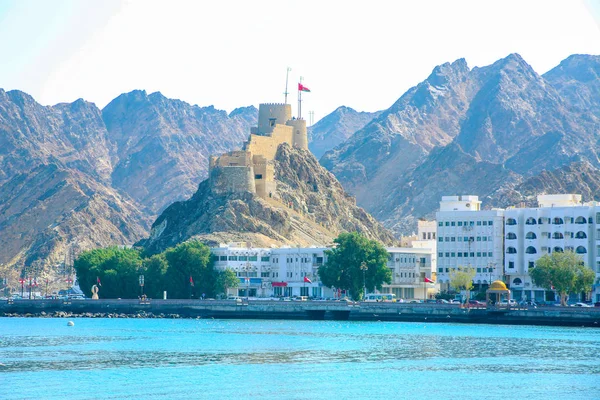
point(293, 271)
point(560, 222)
point(409, 268)
point(469, 237)
point(266, 272)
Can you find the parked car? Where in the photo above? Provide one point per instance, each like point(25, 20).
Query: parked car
point(476, 303)
point(581, 305)
point(511, 303)
point(528, 303)
point(442, 301)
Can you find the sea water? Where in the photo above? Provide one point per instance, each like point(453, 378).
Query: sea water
point(43, 358)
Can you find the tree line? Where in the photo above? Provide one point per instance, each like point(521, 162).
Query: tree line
point(184, 271)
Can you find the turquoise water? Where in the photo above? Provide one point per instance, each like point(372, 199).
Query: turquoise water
point(261, 359)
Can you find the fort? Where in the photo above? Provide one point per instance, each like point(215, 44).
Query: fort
point(252, 169)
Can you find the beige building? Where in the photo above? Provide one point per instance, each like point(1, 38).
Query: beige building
point(252, 168)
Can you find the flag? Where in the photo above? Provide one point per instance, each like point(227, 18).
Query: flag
point(303, 88)
point(191, 281)
point(307, 280)
point(98, 281)
point(427, 280)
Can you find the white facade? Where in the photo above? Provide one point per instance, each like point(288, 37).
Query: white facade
point(469, 237)
point(409, 268)
point(275, 272)
point(561, 222)
point(267, 272)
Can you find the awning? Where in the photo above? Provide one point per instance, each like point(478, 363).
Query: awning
point(278, 284)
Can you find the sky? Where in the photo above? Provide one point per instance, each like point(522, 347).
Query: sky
point(234, 53)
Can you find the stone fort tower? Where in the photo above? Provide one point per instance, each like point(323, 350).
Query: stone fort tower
point(252, 169)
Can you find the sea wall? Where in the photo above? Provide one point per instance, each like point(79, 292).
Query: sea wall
point(565, 316)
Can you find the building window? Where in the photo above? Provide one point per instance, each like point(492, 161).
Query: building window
point(440, 239)
point(558, 221)
point(447, 223)
point(530, 235)
point(452, 255)
point(459, 223)
point(490, 254)
point(447, 254)
point(511, 250)
point(453, 239)
point(511, 221)
point(530, 221)
point(531, 265)
point(484, 223)
point(557, 235)
point(258, 176)
point(264, 258)
point(580, 250)
point(478, 223)
point(517, 281)
point(222, 258)
point(511, 264)
point(557, 249)
point(478, 254)
point(580, 220)
point(490, 223)
point(580, 235)
point(452, 223)
point(472, 254)
point(440, 224)
point(440, 254)
point(530, 250)
point(460, 254)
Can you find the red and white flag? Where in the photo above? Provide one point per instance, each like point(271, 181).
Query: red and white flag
point(307, 280)
point(98, 281)
point(191, 281)
point(303, 88)
point(427, 280)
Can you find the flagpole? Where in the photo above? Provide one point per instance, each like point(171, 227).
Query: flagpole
point(286, 84)
point(300, 100)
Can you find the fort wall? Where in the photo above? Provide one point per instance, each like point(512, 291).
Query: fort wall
point(253, 169)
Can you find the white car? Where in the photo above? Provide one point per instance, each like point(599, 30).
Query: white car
point(580, 305)
point(511, 303)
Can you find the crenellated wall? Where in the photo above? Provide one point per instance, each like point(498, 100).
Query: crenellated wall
point(252, 169)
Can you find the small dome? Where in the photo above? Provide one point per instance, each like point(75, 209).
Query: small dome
point(498, 285)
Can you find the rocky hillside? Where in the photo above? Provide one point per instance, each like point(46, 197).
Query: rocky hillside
point(335, 128)
point(484, 131)
point(163, 144)
point(75, 177)
point(313, 209)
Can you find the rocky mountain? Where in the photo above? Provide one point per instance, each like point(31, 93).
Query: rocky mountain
point(312, 209)
point(74, 177)
point(485, 131)
point(163, 144)
point(335, 128)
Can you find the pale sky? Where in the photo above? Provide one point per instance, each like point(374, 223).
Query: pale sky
point(232, 53)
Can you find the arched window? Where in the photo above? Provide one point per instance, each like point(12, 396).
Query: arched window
point(530, 235)
point(580, 250)
point(568, 248)
point(511, 236)
point(530, 221)
point(558, 221)
point(511, 250)
point(517, 281)
point(557, 235)
point(558, 249)
point(580, 220)
point(580, 235)
point(511, 221)
point(531, 250)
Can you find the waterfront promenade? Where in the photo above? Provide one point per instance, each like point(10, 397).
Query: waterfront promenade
point(307, 310)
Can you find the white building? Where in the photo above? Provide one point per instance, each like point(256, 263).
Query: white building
point(266, 272)
point(469, 237)
point(409, 268)
point(560, 222)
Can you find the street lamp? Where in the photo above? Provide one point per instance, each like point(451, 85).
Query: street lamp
point(364, 268)
point(141, 280)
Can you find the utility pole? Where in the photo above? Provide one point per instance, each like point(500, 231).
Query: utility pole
point(286, 84)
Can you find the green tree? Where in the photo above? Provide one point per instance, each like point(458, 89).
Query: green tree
point(116, 268)
point(461, 278)
point(342, 269)
point(226, 279)
point(190, 272)
point(564, 272)
point(155, 269)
